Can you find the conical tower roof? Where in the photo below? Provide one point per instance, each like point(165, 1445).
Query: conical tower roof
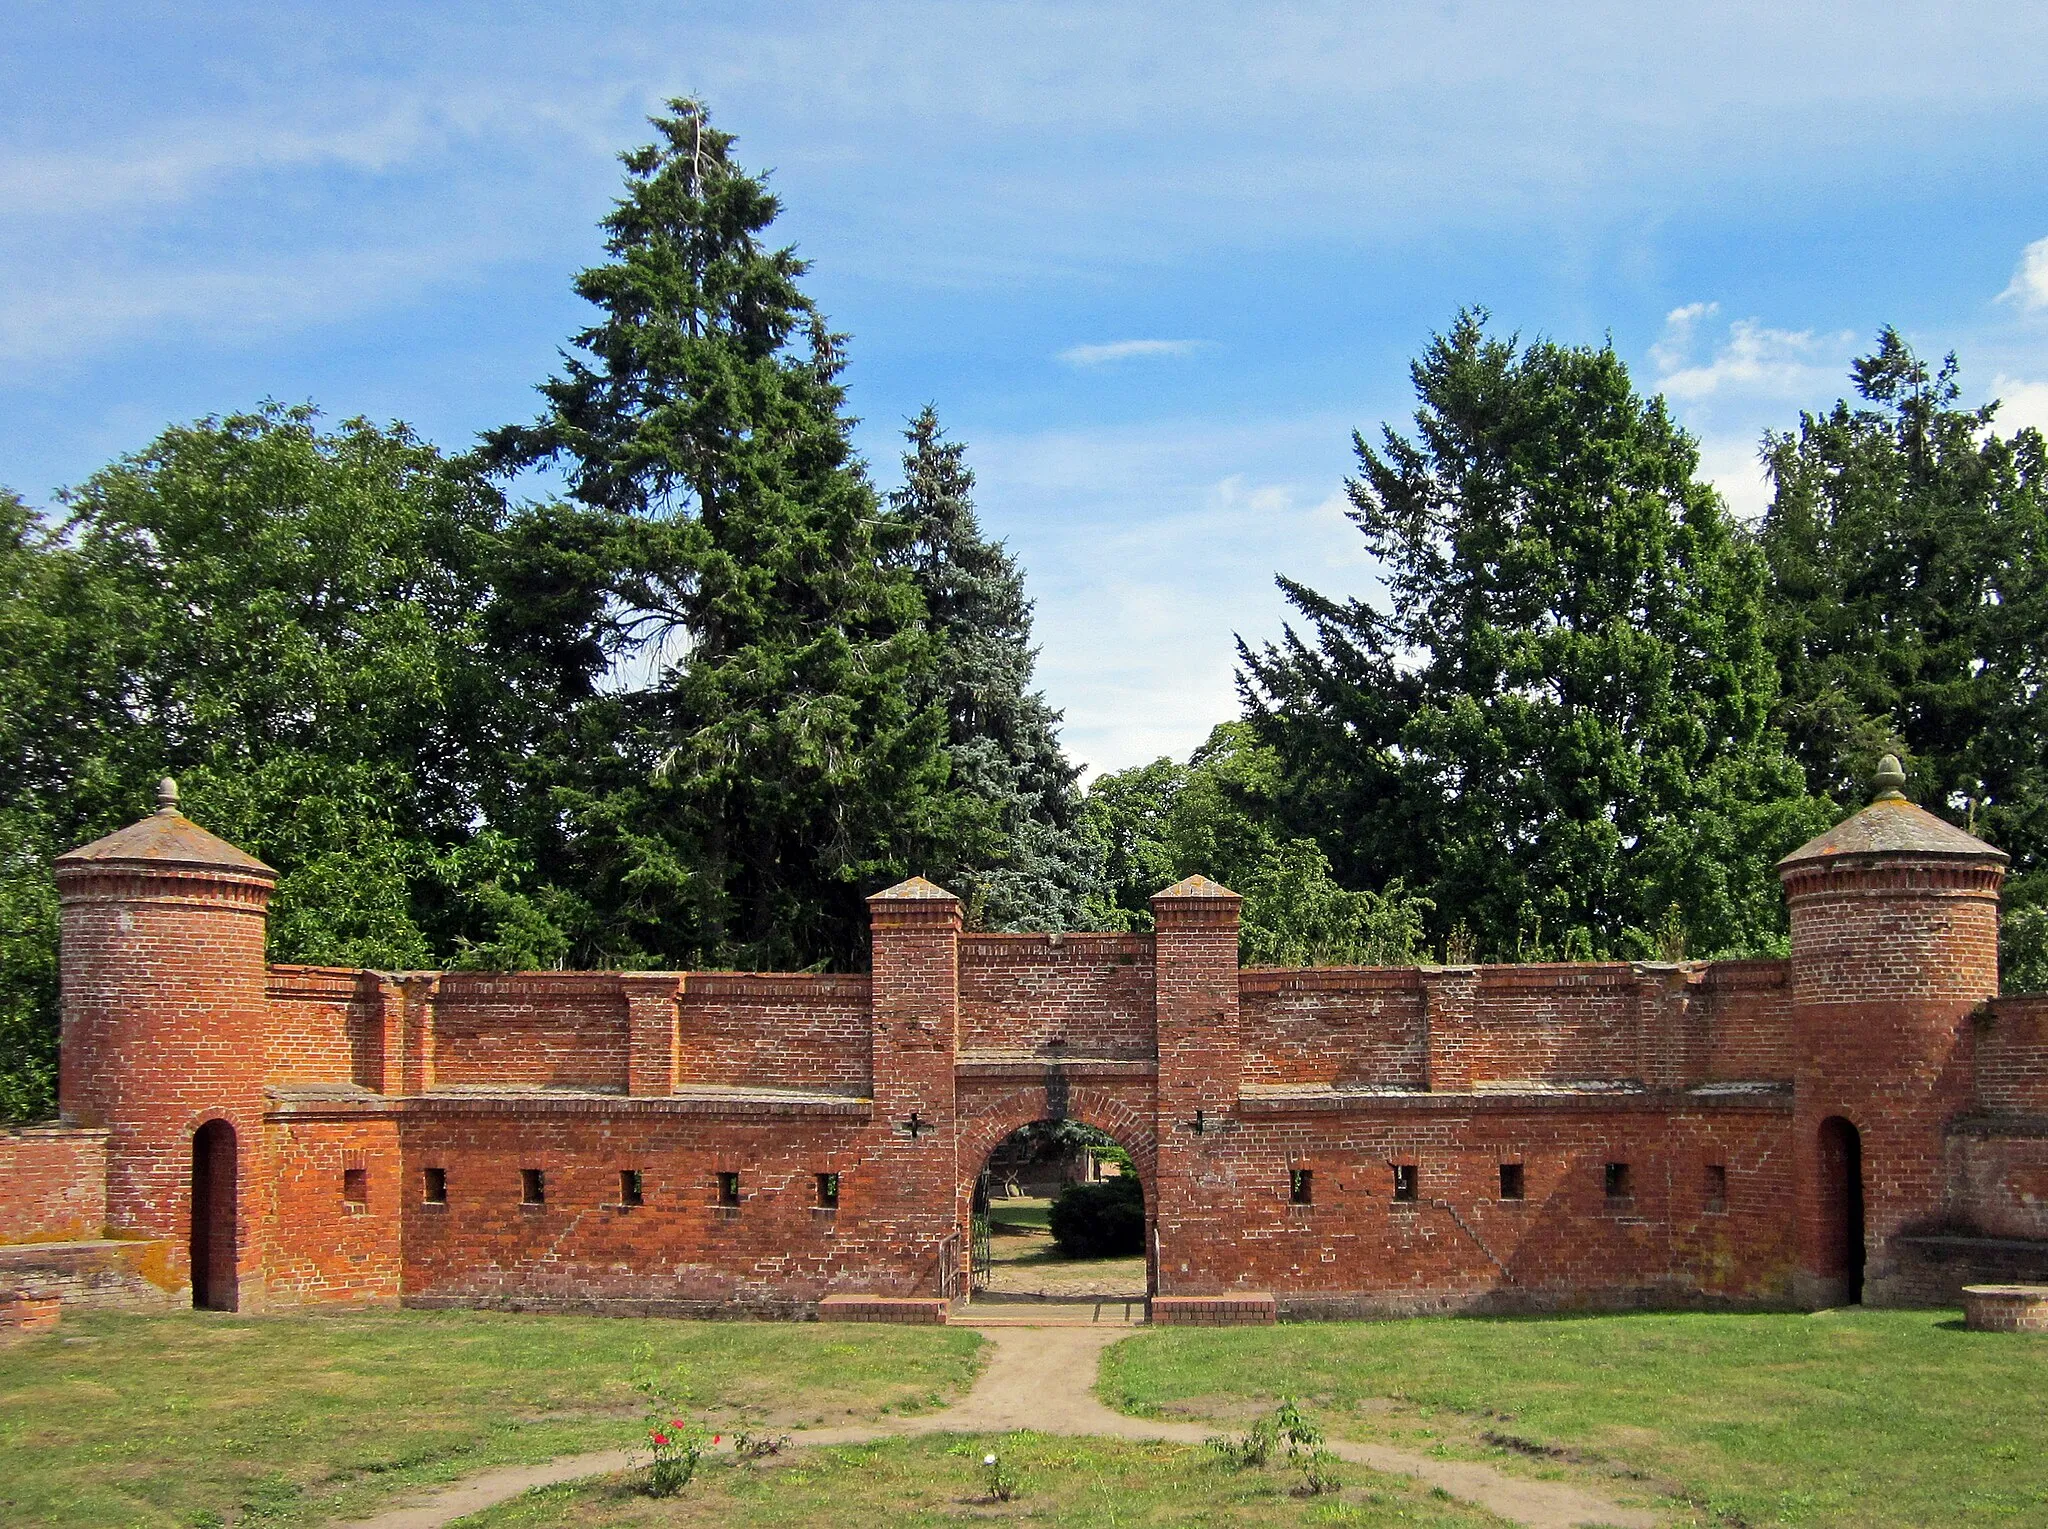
point(1197, 886)
point(166, 839)
point(1891, 825)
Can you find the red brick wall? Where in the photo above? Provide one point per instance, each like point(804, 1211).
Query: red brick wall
point(53, 1184)
point(323, 1246)
point(1197, 1250)
point(1748, 1021)
point(2012, 1056)
point(913, 1178)
point(1336, 1026)
point(533, 1029)
point(326, 1026)
point(1091, 993)
point(1672, 1069)
point(1355, 1250)
point(680, 1252)
point(759, 1030)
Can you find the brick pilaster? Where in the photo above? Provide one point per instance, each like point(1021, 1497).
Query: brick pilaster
point(1195, 926)
point(651, 1015)
point(1450, 996)
point(911, 1183)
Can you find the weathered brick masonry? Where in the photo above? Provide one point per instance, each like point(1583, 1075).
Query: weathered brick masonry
point(1866, 1117)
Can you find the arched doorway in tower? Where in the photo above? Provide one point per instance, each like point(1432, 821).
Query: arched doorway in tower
point(1841, 1208)
point(213, 1217)
point(1058, 1213)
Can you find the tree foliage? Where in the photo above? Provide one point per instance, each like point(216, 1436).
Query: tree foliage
point(1019, 858)
point(785, 760)
point(1558, 727)
point(296, 624)
point(1908, 548)
point(1219, 816)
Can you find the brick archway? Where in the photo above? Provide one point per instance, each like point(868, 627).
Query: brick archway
point(1126, 1120)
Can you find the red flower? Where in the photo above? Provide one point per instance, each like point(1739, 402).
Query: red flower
point(716, 1437)
point(660, 1438)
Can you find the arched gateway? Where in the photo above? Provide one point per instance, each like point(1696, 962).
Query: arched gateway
point(1124, 1115)
point(1320, 1142)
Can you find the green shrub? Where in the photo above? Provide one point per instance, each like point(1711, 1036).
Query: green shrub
point(1102, 1220)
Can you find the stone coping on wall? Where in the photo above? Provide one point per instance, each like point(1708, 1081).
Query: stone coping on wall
point(1295, 1098)
point(2005, 1126)
point(343, 1100)
point(57, 1130)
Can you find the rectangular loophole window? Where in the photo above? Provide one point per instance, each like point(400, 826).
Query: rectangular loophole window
point(631, 1190)
point(1717, 1189)
point(434, 1186)
point(533, 1187)
point(355, 1185)
point(1407, 1183)
point(828, 1191)
point(1620, 1185)
point(728, 1189)
point(1301, 1188)
point(1511, 1182)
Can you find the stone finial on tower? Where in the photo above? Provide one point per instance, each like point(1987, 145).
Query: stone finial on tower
point(167, 795)
point(1890, 780)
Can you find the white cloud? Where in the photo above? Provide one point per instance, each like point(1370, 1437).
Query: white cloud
point(2020, 404)
point(1757, 360)
point(1675, 349)
point(1731, 464)
point(1150, 548)
point(2029, 287)
point(1126, 350)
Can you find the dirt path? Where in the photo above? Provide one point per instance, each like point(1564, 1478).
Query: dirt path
point(1043, 1379)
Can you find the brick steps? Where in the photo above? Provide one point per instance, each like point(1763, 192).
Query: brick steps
point(1120, 1313)
point(914, 1311)
point(1244, 1309)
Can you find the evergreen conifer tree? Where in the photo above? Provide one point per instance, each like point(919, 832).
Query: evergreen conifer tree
point(1557, 730)
point(1908, 547)
point(1021, 860)
point(780, 764)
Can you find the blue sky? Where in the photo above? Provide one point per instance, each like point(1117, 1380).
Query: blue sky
point(1153, 263)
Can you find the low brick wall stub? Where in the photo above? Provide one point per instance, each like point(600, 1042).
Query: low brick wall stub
point(2006, 1308)
point(912, 1311)
point(29, 1313)
point(101, 1274)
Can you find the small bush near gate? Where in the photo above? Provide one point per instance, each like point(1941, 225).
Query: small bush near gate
point(1102, 1220)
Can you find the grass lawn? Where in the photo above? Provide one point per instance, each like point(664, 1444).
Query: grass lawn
point(1843, 1418)
point(1020, 1214)
point(203, 1418)
point(1074, 1483)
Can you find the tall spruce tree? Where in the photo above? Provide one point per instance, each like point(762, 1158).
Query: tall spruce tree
point(780, 764)
point(1021, 859)
point(1557, 729)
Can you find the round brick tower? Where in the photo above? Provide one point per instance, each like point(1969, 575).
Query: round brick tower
point(164, 1037)
point(1894, 918)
